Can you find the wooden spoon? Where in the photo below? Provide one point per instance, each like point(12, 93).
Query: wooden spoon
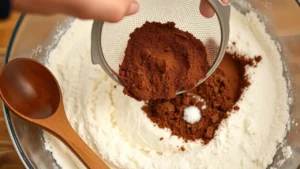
point(31, 91)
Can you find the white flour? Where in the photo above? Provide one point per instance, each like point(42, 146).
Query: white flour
point(115, 127)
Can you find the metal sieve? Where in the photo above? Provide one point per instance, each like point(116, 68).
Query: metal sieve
point(109, 40)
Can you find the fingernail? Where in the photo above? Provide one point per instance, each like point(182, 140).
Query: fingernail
point(134, 7)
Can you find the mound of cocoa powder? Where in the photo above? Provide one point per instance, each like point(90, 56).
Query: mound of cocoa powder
point(219, 93)
point(161, 59)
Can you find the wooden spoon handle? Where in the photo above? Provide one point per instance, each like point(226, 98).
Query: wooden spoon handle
point(66, 133)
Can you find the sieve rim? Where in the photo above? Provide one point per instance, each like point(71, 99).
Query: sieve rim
point(223, 14)
point(97, 53)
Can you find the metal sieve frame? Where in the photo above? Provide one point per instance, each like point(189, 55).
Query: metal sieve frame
point(223, 14)
point(97, 53)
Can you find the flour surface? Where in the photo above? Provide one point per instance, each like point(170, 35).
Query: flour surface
point(116, 128)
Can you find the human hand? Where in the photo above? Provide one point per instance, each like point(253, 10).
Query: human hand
point(206, 10)
point(105, 10)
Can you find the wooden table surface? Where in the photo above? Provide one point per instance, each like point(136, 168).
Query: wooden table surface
point(288, 29)
point(9, 159)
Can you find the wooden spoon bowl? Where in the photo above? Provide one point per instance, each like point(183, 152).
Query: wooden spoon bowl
point(31, 91)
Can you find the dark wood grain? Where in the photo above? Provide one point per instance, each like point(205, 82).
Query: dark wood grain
point(10, 160)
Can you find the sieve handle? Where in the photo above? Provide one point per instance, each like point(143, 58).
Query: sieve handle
point(223, 13)
point(96, 51)
point(95, 37)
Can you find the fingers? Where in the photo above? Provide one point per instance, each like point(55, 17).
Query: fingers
point(104, 10)
point(206, 10)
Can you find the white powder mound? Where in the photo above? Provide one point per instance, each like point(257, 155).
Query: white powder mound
point(116, 128)
point(192, 114)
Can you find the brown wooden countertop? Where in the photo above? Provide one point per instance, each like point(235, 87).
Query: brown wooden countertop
point(285, 21)
point(9, 159)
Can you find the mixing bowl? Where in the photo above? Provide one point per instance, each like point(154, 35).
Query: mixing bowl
point(35, 36)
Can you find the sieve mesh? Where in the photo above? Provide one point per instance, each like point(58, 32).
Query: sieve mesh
point(185, 14)
point(109, 40)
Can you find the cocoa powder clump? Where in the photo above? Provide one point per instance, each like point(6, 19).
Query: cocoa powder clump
point(161, 59)
point(219, 93)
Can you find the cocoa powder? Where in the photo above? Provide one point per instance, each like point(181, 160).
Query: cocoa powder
point(220, 93)
point(161, 59)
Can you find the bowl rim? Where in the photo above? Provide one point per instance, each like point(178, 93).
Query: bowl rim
point(6, 112)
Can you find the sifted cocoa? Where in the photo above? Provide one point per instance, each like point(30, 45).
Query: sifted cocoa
point(220, 93)
point(161, 59)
